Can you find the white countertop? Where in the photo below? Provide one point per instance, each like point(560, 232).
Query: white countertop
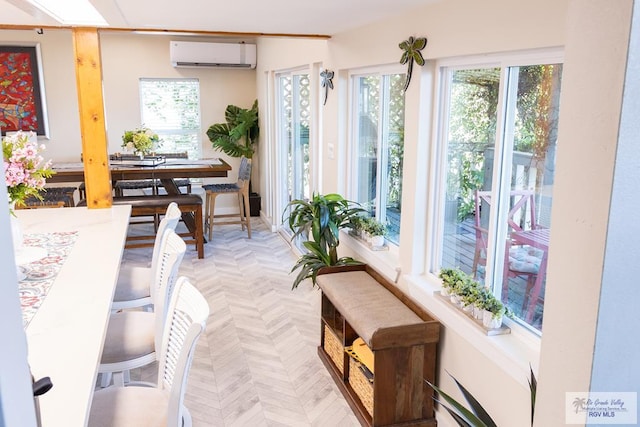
point(66, 335)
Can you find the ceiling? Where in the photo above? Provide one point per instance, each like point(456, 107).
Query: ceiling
point(273, 17)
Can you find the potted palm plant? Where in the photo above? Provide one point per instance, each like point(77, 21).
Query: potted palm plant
point(237, 137)
point(320, 220)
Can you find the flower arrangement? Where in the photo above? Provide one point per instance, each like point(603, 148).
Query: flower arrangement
point(141, 140)
point(25, 170)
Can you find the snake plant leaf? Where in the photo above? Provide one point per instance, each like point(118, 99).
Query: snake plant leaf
point(468, 417)
point(459, 419)
point(476, 407)
point(533, 388)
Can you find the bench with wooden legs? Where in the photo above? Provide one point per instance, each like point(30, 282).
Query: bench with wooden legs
point(190, 205)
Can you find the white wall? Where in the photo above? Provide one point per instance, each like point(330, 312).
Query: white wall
point(128, 57)
point(594, 34)
point(591, 101)
point(58, 66)
point(125, 59)
point(274, 55)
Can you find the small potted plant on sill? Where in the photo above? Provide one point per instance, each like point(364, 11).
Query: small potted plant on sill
point(478, 306)
point(494, 311)
point(375, 231)
point(357, 226)
point(449, 278)
point(471, 296)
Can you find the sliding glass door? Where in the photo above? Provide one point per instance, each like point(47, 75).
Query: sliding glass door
point(293, 119)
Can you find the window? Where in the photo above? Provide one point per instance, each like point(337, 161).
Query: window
point(497, 157)
point(378, 133)
point(171, 107)
point(293, 120)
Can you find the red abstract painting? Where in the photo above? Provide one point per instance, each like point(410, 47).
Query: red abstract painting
point(20, 107)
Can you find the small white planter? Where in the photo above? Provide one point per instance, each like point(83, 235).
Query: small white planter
point(489, 321)
point(444, 292)
point(377, 241)
point(455, 299)
point(478, 312)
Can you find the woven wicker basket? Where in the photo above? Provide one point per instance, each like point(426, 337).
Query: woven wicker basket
point(361, 385)
point(334, 348)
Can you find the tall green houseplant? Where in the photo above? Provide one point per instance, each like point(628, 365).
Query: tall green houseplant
point(321, 218)
point(238, 136)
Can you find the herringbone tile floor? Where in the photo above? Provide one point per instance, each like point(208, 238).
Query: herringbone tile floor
point(256, 364)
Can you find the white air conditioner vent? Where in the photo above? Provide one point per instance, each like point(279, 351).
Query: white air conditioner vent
point(218, 55)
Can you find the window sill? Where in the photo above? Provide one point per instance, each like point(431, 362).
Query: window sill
point(513, 352)
point(385, 261)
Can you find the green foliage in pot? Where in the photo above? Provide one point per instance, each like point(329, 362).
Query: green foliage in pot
point(455, 281)
point(358, 224)
point(374, 227)
point(495, 306)
point(239, 134)
point(321, 218)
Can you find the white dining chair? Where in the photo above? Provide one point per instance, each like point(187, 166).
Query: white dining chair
point(133, 336)
point(134, 282)
point(162, 404)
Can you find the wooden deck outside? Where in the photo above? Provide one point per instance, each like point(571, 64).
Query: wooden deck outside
point(459, 249)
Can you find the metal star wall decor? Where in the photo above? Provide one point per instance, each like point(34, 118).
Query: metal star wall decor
point(327, 83)
point(411, 52)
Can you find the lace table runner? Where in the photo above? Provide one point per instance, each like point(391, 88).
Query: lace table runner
point(41, 274)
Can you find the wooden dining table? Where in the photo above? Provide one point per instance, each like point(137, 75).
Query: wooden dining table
point(167, 172)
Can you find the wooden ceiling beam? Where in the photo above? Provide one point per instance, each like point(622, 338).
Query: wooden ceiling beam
point(161, 31)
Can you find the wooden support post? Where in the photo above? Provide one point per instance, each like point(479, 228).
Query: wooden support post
point(97, 175)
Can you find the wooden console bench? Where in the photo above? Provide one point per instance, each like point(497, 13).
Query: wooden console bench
point(359, 302)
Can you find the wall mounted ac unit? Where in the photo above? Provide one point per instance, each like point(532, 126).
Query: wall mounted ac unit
point(220, 55)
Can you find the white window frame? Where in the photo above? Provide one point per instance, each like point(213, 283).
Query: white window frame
point(281, 161)
point(352, 152)
point(501, 173)
point(175, 131)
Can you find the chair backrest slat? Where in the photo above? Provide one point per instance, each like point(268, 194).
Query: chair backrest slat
point(188, 313)
point(172, 252)
point(168, 222)
point(244, 170)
